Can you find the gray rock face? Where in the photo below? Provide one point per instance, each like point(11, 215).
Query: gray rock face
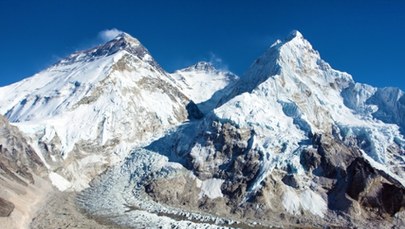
point(230, 158)
point(6, 207)
point(335, 169)
point(19, 164)
point(291, 181)
point(373, 189)
point(18, 160)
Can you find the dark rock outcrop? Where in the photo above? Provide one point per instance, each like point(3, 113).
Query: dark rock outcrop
point(18, 160)
point(374, 189)
point(6, 207)
point(354, 180)
point(19, 163)
point(193, 111)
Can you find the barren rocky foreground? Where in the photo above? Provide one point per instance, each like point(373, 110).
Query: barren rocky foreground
point(61, 211)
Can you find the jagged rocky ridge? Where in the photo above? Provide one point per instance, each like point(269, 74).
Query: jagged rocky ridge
point(18, 160)
point(23, 177)
point(292, 143)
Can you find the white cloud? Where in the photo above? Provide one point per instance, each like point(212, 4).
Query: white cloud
point(217, 62)
point(109, 34)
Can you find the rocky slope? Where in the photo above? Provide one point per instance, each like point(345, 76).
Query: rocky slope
point(23, 178)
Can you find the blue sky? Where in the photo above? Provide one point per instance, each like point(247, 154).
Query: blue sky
point(364, 38)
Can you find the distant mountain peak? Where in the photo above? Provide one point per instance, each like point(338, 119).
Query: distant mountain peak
point(293, 54)
point(294, 42)
point(126, 39)
point(202, 66)
point(295, 34)
point(206, 67)
point(122, 42)
point(124, 35)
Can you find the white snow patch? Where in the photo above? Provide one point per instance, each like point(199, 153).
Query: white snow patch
point(211, 188)
point(200, 85)
point(291, 201)
point(59, 182)
point(308, 200)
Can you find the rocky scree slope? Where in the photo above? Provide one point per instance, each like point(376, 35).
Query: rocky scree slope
point(23, 177)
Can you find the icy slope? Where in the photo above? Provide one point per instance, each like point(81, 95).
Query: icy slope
point(97, 104)
point(204, 84)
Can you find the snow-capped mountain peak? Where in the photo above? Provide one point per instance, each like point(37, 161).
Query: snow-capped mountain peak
point(301, 95)
point(201, 66)
point(122, 42)
point(204, 84)
point(114, 95)
point(128, 38)
point(296, 55)
point(295, 34)
point(295, 43)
